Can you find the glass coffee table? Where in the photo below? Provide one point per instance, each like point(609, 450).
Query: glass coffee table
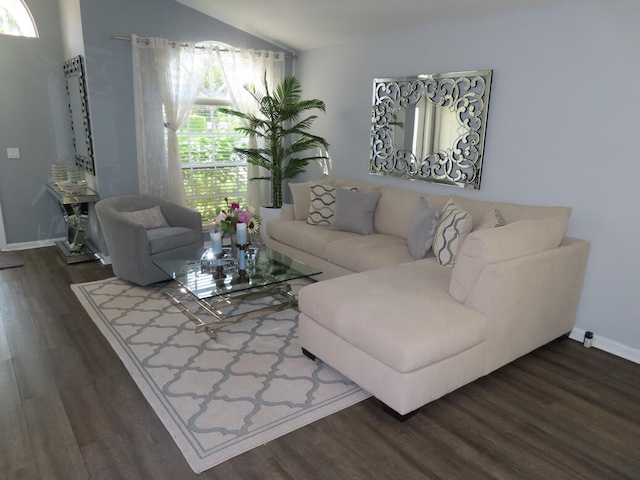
point(217, 286)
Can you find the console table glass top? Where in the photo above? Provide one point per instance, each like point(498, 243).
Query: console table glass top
point(267, 274)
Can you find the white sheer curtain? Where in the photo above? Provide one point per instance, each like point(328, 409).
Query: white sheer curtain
point(241, 67)
point(163, 74)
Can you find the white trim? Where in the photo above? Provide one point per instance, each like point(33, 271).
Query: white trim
point(3, 237)
point(608, 345)
point(28, 245)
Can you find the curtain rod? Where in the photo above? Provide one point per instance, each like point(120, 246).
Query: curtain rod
point(174, 44)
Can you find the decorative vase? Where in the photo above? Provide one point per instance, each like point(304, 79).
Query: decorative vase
point(267, 213)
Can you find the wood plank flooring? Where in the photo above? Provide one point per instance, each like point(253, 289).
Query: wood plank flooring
point(69, 410)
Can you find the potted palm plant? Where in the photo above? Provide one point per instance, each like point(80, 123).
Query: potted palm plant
point(285, 145)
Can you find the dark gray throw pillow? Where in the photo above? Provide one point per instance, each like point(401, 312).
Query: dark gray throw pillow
point(354, 211)
point(422, 230)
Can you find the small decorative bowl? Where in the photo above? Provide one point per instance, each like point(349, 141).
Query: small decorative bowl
point(73, 187)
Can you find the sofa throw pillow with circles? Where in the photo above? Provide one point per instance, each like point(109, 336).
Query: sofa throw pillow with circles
point(323, 204)
point(454, 225)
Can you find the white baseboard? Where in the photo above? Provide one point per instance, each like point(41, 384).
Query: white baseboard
point(610, 346)
point(28, 245)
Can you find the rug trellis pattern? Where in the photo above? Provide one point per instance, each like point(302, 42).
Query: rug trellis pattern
point(217, 398)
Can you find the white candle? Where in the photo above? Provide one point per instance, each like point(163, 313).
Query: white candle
point(216, 242)
point(241, 230)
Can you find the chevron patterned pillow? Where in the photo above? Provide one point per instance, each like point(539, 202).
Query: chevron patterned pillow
point(453, 227)
point(323, 204)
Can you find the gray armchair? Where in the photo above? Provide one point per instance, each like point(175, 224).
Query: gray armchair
point(132, 247)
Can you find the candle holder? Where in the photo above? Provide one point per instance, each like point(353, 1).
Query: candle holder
point(242, 276)
point(219, 273)
point(242, 257)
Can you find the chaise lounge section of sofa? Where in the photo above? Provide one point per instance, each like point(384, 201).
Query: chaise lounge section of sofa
point(410, 331)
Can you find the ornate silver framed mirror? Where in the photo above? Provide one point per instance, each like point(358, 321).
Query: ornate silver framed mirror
point(79, 110)
point(431, 127)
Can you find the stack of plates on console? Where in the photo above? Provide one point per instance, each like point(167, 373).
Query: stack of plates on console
point(59, 172)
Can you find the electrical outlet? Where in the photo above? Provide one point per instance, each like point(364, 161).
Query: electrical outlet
point(13, 153)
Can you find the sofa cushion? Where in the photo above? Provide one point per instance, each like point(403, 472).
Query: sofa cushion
point(395, 210)
point(308, 238)
point(386, 313)
point(355, 184)
point(516, 239)
point(454, 225)
point(510, 211)
point(167, 238)
point(354, 211)
point(422, 230)
point(148, 218)
point(365, 252)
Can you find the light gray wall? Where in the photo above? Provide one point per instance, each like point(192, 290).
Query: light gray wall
point(33, 106)
point(33, 118)
point(563, 123)
point(110, 80)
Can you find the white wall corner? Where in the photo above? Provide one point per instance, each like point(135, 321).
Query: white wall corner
point(608, 345)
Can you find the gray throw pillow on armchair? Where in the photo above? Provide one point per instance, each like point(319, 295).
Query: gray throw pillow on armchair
point(354, 211)
point(422, 230)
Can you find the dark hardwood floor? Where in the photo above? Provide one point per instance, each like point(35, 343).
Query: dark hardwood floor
point(69, 410)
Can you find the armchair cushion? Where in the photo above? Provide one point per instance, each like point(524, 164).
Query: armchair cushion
point(166, 238)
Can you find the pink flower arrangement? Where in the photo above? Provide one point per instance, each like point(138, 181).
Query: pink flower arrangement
point(227, 219)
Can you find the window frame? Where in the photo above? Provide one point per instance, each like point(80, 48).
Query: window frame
point(19, 12)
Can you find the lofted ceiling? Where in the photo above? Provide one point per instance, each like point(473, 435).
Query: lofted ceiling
point(307, 24)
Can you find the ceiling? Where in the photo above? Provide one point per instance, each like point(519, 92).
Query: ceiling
point(308, 24)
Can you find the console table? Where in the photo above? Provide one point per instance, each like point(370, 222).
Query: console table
point(74, 209)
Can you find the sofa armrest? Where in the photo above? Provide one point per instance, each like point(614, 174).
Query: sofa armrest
point(530, 300)
point(287, 212)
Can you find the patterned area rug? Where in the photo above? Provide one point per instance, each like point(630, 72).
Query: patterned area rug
point(11, 259)
point(218, 398)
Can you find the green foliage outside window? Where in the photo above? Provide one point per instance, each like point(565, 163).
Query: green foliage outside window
point(211, 168)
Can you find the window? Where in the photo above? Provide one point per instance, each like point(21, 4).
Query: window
point(211, 170)
point(16, 19)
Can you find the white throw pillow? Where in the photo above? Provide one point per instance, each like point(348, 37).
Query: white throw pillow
point(149, 218)
point(484, 247)
point(301, 194)
point(454, 225)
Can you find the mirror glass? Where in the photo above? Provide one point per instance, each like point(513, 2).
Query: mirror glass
point(431, 127)
point(79, 111)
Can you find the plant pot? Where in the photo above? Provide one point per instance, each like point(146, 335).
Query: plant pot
point(267, 213)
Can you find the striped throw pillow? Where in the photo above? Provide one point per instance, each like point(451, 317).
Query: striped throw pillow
point(453, 227)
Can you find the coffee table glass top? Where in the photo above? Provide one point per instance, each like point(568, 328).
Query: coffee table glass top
point(264, 267)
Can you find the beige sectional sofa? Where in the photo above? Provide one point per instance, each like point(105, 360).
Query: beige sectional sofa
point(410, 331)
